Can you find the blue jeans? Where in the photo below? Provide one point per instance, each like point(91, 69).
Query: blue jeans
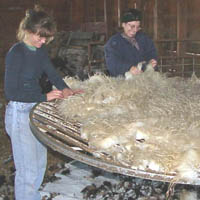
point(30, 156)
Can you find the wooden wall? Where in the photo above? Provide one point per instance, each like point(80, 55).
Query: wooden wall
point(162, 19)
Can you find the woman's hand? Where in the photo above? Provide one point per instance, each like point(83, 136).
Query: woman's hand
point(134, 70)
point(54, 94)
point(69, 92)
point(153, 62)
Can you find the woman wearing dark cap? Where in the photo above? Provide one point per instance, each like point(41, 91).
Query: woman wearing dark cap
point(26, 61)
point(123, 51)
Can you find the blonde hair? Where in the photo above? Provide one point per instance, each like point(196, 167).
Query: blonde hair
point(37, 21)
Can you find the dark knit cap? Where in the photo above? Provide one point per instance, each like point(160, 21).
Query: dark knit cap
point(131, 15)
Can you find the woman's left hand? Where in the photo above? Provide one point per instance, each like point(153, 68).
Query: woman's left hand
point(153, 62)
point(69, 92)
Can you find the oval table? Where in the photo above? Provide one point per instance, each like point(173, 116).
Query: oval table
point(64, 137)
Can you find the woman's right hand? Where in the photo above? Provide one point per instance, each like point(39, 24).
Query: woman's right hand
point(134, 70)
point(54, 94)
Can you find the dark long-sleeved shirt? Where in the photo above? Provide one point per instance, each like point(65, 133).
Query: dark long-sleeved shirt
point(120, 54)
point(24, 68)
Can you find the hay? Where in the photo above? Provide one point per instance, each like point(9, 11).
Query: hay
point(148, 122)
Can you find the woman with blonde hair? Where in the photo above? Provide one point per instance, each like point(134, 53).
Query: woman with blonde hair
point(26, 61)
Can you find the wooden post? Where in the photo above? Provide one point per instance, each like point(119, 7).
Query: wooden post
point(106, 18)
point(119, 13)
point(181, 26)
point(155, 21)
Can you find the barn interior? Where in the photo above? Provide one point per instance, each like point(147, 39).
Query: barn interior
point(84, 26)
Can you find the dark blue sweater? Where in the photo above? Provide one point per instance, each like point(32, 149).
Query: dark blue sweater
point(120, 55)
point(24, 68)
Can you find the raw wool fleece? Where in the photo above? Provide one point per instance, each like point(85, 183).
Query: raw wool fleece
point(147, 122)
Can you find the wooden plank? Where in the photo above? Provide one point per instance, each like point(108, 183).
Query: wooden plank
point(77, 14)
point(107, 17)
point(99, 11)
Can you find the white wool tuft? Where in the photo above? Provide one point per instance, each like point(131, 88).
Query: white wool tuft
point(106, 143)
point(129, 75)
point(188, 195)
point(149, 68)
point(148, 119)
point(141, 135)
point(187, 168)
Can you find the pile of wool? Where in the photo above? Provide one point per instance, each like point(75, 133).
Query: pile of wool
point(147, 122)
